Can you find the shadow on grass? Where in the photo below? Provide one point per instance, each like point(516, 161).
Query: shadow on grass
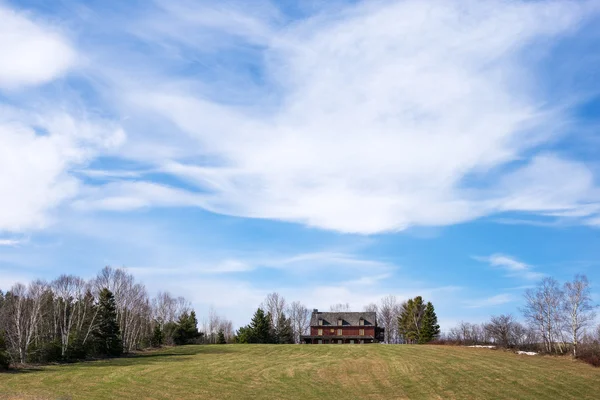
point(19, 371)
point(174, 355)
point(177, 354)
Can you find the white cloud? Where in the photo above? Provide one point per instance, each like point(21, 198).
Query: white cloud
point(491, 301)
point(32, 53)
point(511, 266)
point(384, 113)
point(219, 267)
point(9, 242)
point(299, 263)
point(36, 166)
point(368, 118)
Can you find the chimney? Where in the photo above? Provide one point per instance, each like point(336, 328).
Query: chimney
point(315, 311)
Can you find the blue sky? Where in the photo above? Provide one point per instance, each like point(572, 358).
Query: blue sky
point(336, 151)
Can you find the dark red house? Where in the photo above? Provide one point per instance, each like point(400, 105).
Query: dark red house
point(343, 328)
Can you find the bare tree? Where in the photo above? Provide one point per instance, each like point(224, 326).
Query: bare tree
point(164, 308)
point(69, 306)
point(578, 308)
point(466, 333)
point(183, 306)
point(214, 321)
point(340, 307)
point(226, 326)
point(372, 307)
point(300, 318)
point(501, 329)
point(275, 305)
point(544, 310)
point(389, 310)
point(24, 313)
point(214, 324)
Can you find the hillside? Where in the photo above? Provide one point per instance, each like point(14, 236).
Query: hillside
point(311, 372)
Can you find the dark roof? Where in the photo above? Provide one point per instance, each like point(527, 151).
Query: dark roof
point(348, 318)
point(335, 337)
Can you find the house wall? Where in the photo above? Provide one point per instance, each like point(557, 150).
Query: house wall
point(346, 330)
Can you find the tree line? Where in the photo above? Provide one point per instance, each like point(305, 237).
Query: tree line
point(276, 322)
point(70, 318)
point(557, 319)
point(412, 321)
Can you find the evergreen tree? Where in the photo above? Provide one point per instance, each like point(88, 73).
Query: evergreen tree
point(221, 337)
point(83, 344)
point(187, 329)
point(107, 335)
point(410, 319)
point(243, 335)
point(430, 328)
point(284, 334)
point(3, 349)
point(260, 330)
point(157, 337)
point(4, 360)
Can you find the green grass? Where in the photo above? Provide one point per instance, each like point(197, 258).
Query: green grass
point(311, 372)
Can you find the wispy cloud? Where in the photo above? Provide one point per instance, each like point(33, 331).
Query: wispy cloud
point(291, 263)
point(384, 144)
point(241, 103)
point(218, 267)
point(10, 242)
point(511, 266)
point(490, 301)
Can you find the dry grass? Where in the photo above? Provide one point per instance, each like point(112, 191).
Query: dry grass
point(311, 372)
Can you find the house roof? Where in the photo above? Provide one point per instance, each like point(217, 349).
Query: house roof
point(348, 318)
point(368, 337)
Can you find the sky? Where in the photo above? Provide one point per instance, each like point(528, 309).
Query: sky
point(332, 151)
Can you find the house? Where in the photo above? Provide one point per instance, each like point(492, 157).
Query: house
point(343, 328)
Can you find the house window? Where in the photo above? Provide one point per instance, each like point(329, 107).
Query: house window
point(361, 332)
point(339, 332)
point(339, 342)
point(320, 322)
point(320, 332)
point(340, 322)
point(362, 342)
point(361, 322)
point(320, 341)
point(351, 341)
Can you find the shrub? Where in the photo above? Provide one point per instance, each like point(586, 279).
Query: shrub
point(46, 352)
point(590, 354)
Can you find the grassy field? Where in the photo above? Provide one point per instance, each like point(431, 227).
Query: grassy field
point(311, 372)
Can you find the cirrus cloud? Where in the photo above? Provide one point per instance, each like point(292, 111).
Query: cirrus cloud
point(373, 119)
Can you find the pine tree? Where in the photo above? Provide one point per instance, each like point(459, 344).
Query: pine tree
point(107, 335)
point(430, 328)
point(260, 328)
point(4, 360)
point(243, 335)
point(157, 337)
point(284, 334)
point(221, 337)
point(187, 329)
point(411, 319)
